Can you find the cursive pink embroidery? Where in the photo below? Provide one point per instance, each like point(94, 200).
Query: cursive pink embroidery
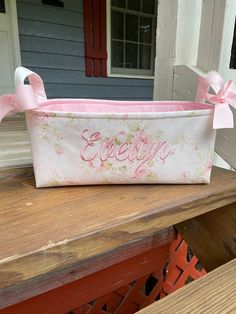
point(141, 149)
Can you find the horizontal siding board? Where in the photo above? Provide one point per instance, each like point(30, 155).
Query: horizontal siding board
point(133, 98)
point(50, 14)
point(48, 30)
point(69, 5)
point(56, 52)
point(120, 98)
point(104, 97)
point(50, 45)
point(52, 61)
point(101, 91)
point(78, 77)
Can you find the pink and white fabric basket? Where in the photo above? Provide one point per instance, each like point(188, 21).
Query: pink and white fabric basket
point(88, 141)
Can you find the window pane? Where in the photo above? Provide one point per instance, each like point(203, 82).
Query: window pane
point(117, 54)
point(145, 57)
point(232, 64)
point(55, 3)
point(145, 30)
point(148, 6)
point(118, 3)
point(134, 5)
point(2, 6)
point(131, 27)
point(117, 25)
point(131, 55)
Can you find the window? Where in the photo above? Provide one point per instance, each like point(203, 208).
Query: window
point(132, 37)
point(55, 3)
point(2, 6)
point(233, 50)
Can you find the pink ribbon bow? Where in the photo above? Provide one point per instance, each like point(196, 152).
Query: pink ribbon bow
point(26, 97)
point(23, 99)
point(225, 95)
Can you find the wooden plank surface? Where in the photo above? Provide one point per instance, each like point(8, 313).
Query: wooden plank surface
point(214, 293)
point(14, 143)
point(100, 285)
point(225, 144)
point(212, 237)
point(52, 236)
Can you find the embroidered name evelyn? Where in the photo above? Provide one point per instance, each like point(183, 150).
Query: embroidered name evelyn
point(141, 149)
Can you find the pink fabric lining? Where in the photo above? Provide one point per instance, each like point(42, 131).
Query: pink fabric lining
point(110, 106)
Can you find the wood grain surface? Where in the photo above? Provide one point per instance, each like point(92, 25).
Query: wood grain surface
point(52, 236)
point(214, 293)
point(14, 142)
point(212, 237)
point(68, 298)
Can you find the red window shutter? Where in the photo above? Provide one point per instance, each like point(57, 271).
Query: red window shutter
point(95, 37)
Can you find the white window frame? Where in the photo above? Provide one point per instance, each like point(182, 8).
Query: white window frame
point(109, 71)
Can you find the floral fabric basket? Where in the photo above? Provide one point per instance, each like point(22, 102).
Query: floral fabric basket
point(87, 141)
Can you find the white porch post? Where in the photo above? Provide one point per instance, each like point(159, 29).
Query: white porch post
point(194, 37)
point(178, 27)
point(165, 48)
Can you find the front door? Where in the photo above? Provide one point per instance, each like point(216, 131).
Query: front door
point(9, 45)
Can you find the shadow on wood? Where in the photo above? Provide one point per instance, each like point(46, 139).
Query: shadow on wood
point(212, 236)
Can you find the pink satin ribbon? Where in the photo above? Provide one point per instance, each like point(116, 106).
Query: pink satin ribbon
point(26, 97)
point(225, 95)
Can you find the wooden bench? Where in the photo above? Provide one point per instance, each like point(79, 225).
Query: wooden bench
point(214, 293)
point(63, 247)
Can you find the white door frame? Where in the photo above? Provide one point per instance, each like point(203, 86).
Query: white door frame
point(11, 6)
point(14, 146)
point(9, 20)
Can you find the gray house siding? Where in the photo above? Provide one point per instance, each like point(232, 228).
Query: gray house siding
point(52, 44)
